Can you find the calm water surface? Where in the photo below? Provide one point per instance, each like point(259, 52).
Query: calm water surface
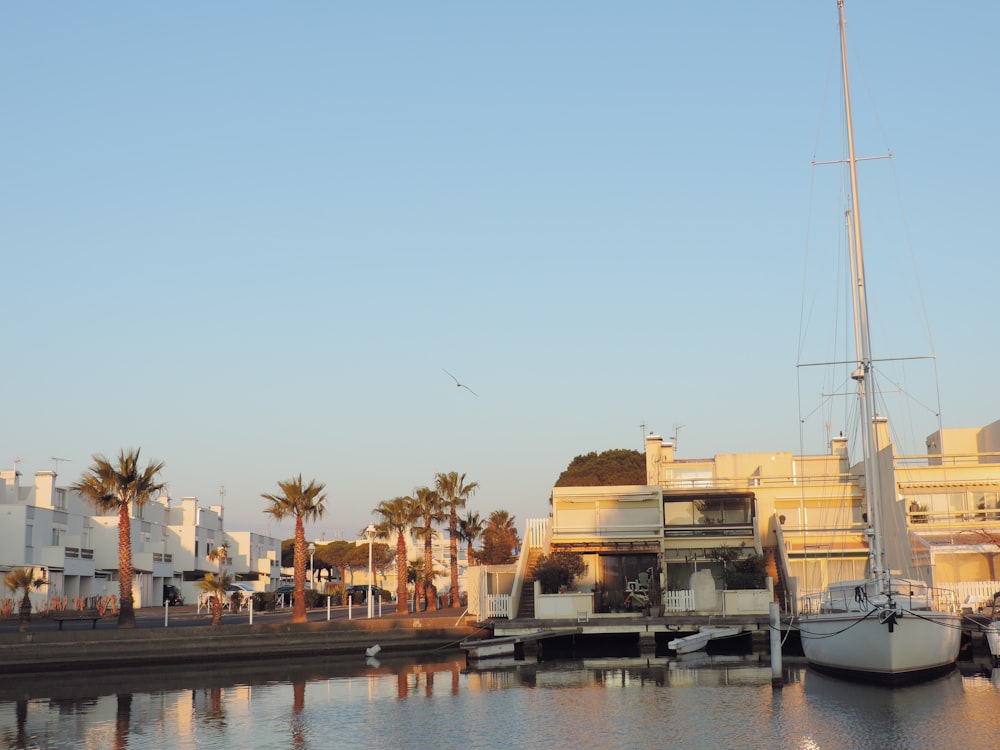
point(717, 702)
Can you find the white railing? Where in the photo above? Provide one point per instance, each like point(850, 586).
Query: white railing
point(498, 606)
point(535, 532)
point(678, 601)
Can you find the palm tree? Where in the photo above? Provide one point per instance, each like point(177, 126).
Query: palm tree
point(429, 507)
point(470, 529)
point(218, 588)
point(454, 493)
point(499, 539)
point(121, 489)
point(397, 515)
point(305, 503)
point(220, 554)
point(23, 579)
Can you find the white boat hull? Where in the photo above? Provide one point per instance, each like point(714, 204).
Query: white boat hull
point(698, 641)
point(993, 641)
point(489, 648)
point(919, 645)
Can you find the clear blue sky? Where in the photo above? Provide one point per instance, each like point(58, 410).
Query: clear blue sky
point(247, 237)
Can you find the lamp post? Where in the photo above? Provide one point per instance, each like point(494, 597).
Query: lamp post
point(370, 535)
point(312, 574)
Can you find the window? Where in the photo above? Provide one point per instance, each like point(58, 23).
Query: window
point(708, 511)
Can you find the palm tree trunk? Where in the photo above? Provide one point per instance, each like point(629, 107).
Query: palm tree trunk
point(453, 550)
point(402, 607)
point(428, 570)
point(299, 581)
point(217, 608)
point(25, 611)
point(126, 613)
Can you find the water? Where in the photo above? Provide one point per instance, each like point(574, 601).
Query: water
point(627, 703)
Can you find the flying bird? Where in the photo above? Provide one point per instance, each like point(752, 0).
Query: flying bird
point(461, 385)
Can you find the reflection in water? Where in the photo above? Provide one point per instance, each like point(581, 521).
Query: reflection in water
point(298, 703)
point(19, 737)
point(606, 703)
point(123, 717)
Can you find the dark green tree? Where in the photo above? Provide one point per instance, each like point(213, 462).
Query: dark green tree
point(612, 467)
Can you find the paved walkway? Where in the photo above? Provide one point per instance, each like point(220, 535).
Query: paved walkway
point(188, 616)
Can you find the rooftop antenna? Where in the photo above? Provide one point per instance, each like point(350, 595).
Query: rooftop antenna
point(56, 460)
point(642, 429)
point(16, 472)
point(673, 438)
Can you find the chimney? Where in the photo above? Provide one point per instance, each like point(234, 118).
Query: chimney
point(45, 488)
point(838, 447)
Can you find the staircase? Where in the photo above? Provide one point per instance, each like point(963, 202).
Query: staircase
point(526, 607)
point(772, 569)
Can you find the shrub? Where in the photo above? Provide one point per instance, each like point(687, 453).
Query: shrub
point(557, 570)
point(740, 571)
point(265, 601)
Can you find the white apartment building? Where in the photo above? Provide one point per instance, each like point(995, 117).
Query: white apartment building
point(56, 533)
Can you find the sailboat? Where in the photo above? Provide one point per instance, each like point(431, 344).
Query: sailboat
point(886, 628)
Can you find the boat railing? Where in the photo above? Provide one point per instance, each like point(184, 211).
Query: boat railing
point(864, 596)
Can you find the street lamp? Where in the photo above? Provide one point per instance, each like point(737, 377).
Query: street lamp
point(370, 536)
point(312, 574)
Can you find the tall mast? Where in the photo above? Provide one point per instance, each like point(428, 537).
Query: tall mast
point(869, 440)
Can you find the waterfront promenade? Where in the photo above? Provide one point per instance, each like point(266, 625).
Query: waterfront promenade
point(185, 636)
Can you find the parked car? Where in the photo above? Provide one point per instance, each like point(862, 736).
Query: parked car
point(243, 588)
point(358, 593)
point(286, 592)
point(172, 595)
point(287, 589)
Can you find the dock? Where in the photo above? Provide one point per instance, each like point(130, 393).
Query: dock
point(511, 645)
point(607, 633)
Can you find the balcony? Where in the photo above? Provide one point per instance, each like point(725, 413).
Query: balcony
point(73, 561)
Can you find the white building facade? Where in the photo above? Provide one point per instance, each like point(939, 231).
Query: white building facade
point(57, 534)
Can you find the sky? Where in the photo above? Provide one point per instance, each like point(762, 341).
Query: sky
point(251, 238)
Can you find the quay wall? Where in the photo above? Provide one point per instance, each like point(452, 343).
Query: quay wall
point(54, 651)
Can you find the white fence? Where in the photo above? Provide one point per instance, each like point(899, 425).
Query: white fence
point(974, 595)
point(498, 605)
point(678, 601)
